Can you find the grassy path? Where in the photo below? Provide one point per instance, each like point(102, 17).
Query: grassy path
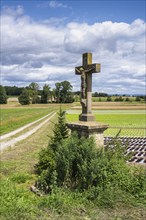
point(22, 128)
point(14, 118)
point(25, 135)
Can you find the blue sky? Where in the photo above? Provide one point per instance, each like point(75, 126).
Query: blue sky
point(43, 41)
point(83, 11)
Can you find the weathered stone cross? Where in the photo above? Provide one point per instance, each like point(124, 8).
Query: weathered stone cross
point(86, 71)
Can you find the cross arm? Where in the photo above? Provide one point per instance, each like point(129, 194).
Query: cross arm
point(95, 68)
point(92, 68)
point(78, 70)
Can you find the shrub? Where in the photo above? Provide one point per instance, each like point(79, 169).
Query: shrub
point(3, 95)
point(24, 98)
point(109, 99)
point(137, 99)
point(119, 99)
point(127, 99)
point(77, 164)
point(47, 164)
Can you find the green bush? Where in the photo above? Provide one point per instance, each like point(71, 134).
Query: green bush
point(24, 98)
point(46, 166)
point(3, 95)
point(77, 164)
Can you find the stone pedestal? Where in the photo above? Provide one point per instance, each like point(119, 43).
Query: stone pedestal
point(86, 117)
point(88, 129)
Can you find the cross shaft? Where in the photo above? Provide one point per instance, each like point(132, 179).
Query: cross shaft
point(86, 71)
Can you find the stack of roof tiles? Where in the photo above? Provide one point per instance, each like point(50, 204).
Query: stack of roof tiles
point(134, 145)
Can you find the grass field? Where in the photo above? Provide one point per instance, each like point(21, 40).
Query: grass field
point(17, 175)
point(15, 117)
point(103, 99)
point(132, 123)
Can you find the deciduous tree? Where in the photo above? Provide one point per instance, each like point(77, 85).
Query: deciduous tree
point(24, 98)
point(3, 95)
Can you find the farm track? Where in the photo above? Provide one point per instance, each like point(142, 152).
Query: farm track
point(22, 128)
point(14, 140)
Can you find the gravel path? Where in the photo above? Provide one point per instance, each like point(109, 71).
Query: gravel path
point(13, 141)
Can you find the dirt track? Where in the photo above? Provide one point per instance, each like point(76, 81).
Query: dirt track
point(13, 141)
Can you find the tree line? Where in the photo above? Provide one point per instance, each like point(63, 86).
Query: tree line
point(62, 93)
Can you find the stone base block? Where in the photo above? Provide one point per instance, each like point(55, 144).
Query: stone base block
point(88, 129)
point(86, 117)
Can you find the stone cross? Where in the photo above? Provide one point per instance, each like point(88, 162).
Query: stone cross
point(86, 71)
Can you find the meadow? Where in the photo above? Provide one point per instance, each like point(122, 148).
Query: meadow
point(131, 122)
point(17, 175)
point(13, 117)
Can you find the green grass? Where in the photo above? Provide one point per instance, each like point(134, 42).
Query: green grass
point(104, 99)
point(132, 123)
point(19, 203)
point(14, 118)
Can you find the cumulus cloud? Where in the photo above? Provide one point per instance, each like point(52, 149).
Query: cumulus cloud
point(47, 53)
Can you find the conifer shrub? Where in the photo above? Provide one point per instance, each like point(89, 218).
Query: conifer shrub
point(77, 164)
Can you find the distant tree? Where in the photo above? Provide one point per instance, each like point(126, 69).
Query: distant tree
point(58, 92)
point(3, 95)
point(119, 99)
point(109, 99)
point(53, 95)
point(63, 92)
point(45, 94)
point(116, 99)
point(95, 94)
point(100, 94)
point(24, 98)
point(137, 99)
point(66, 92)
point(33, 90)
point(77, 93)
point(13, 90)
point(127, 99)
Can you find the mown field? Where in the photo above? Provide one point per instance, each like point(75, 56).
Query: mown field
point(16, 116)
point(104, 99)
point(131, 122)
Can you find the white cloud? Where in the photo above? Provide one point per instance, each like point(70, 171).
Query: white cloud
point(56, 4)
point(46, 52)
point(13, 11)
point(52, 4)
